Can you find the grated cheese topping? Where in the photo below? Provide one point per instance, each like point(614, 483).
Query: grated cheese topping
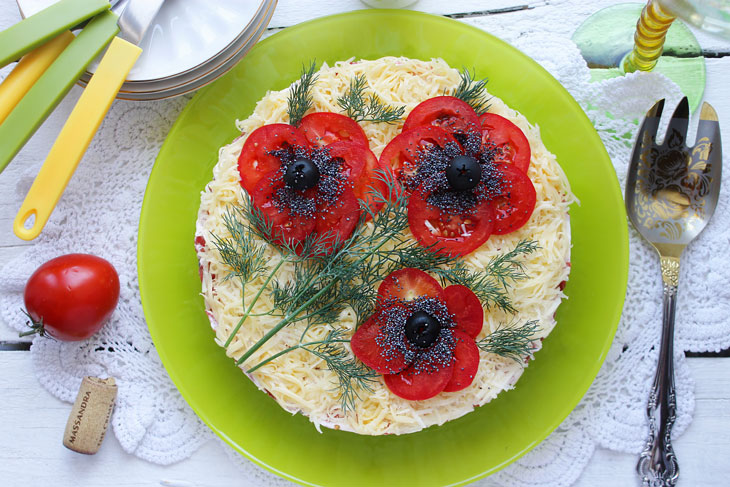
point(301, 382)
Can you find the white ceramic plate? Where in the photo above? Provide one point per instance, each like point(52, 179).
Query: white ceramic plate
point(189, 44)
point(186, 33)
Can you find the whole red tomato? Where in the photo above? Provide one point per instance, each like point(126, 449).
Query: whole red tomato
point(72, 296)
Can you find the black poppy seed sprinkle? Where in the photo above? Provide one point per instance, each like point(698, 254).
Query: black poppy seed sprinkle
point(393, 342)
point(453, 202)
point(328, 189)
point(295, 201)
point(428, 173)
point(438, 355)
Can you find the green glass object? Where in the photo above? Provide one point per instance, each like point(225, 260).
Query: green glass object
point(460, 451)
point(607, 36)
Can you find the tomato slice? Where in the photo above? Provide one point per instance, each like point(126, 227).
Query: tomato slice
point(408, 284)
point(416, 386)
point(515, 148)
point(466, 308)
point(451, 234)
point(401, 153)
point(514, 206)
point(466, 363)
point(255, 160)
point(286, 228)
point(338, 219)
point(446, 112)
point(325, 128)
point(373, 354)
point(359, 165)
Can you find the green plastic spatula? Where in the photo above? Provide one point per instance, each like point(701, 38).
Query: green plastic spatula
point(26, 35)
point(57, 80)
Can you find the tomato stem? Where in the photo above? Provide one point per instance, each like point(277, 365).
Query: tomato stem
point(36, 327)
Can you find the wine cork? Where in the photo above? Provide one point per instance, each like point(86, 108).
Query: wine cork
point(90, 415)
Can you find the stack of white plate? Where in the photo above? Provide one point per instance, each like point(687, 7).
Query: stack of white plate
point(190, 44)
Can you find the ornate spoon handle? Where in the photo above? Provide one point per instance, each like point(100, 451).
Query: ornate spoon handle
point(657, 464)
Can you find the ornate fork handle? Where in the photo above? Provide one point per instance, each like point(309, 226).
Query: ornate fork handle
point(657, 464)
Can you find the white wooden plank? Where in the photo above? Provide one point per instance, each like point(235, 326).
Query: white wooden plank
point(702, 450)
point(33, 423)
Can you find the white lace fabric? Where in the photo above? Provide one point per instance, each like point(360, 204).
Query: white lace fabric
point(99, 214)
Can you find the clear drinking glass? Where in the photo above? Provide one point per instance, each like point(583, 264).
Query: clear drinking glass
point(712, 16)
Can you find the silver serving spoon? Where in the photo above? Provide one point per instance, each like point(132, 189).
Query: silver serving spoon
point(671, 194)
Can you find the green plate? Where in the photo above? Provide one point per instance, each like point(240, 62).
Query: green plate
point(462, 450)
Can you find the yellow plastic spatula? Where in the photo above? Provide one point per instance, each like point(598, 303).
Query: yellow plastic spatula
point(28, 70)
point(75, 138)
point(85, 119)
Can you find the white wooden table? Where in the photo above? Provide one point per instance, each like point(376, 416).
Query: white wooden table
point(32, 421)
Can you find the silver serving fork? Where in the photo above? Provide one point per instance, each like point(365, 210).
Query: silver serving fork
point(671, 194)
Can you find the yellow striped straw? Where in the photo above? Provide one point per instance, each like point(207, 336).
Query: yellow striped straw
point(651, 31)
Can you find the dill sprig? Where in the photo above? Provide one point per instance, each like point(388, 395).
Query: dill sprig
point(370, 109)
point(352, 376)
point(245, 257)
point(472, 91)
point(300, 96)
point(239, 252)
point(511, 342)
point(491, 284)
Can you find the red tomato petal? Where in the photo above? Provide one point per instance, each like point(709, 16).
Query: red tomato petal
point(338, 220)
point(366, 348)
point(324, 128)
point(447, 112)
point(359, 165)
point(466, 364)
point(452, 234)
point(514, 207)
point(401, 153)
point(285, 227)
point(408, 284)
point(354, 158)
point(512, 142)
point(466, 308)
point(255, 161)
point(417, 386)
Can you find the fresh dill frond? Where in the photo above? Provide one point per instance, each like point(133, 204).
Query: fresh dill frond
point(367, 109)
point(472, 91)
point(240, 252)
point(491, 284)
point(352, 375)
point(511, 342)
point(507, 267)
point(300, 96)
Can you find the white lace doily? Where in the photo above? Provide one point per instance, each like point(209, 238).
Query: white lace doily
point(99, 214)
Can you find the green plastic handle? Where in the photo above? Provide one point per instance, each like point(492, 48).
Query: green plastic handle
point(37, 29)
point(58, 79)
